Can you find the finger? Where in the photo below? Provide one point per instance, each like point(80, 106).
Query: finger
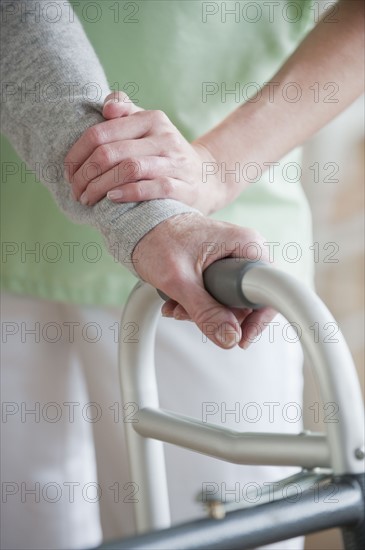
point(118, 104)
point(254, 324)
point(217, 322)
point(118, 129)
point(130, 170)
point(251, 248)
point(241, 314)
point(113, 155)
point(168, 307)
point(180, 314)
point(164, 187)
point(176, 311)
point(121, 155)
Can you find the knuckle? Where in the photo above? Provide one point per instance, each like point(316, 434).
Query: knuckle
point(207, 316)
point(133, 163)
point(167, 185)
point(169, 146)
point(95, 135)
point(138, 192)
point(144, 115)
point(79, 179)
point(159, 116)
point(255, 236)
point(172, 278)
point(173, 139)
point(131, 167)
point(103, 156)
point(146, 169)
point(149, 169)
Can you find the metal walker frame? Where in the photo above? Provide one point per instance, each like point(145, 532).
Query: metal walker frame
point(335, 457)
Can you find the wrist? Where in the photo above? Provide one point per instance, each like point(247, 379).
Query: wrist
point(231, 151)
point(158, 244)
point(215, 189)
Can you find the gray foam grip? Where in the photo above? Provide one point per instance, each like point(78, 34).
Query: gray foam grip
point(223, 280)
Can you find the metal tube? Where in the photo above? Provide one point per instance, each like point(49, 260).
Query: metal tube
point(334, 503)
point(306, 450)
point(139, 388)
point(330, 358)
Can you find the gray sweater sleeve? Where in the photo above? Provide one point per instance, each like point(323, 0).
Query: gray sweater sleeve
point(49, 69)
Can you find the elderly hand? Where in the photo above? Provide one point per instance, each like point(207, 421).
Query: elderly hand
point(139, 155)
point(173, 256)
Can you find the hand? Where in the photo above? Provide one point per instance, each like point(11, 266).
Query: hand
point(173, 256)
point(139, 155)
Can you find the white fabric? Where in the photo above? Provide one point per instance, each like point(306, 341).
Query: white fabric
point(59, 448)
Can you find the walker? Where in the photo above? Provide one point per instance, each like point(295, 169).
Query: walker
point(332, 462)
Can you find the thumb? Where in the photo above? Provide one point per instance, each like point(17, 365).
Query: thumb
point(118, 104)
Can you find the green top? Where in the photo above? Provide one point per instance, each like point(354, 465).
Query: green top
point(183, 57)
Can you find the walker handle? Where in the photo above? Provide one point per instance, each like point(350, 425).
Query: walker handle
point(223, 280)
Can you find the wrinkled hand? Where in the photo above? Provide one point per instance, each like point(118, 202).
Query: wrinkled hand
point(139, 155)
point(173, 256)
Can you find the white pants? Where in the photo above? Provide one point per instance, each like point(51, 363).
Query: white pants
point(65, 481)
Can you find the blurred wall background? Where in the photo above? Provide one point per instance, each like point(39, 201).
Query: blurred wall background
point(337, 202)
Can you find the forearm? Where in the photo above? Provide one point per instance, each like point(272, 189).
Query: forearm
point(297, 101)
point(53, 88)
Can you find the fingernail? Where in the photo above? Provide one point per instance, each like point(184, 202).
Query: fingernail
point(179, 316)
point(112, 100)
point(84, 199)
point(115, 194)
point(227, 335)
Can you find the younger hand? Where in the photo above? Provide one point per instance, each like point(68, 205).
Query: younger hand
point(139, 155)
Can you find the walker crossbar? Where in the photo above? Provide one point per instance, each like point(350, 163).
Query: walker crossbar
point(267, 523)
point(239, 283)
point(308, 450)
